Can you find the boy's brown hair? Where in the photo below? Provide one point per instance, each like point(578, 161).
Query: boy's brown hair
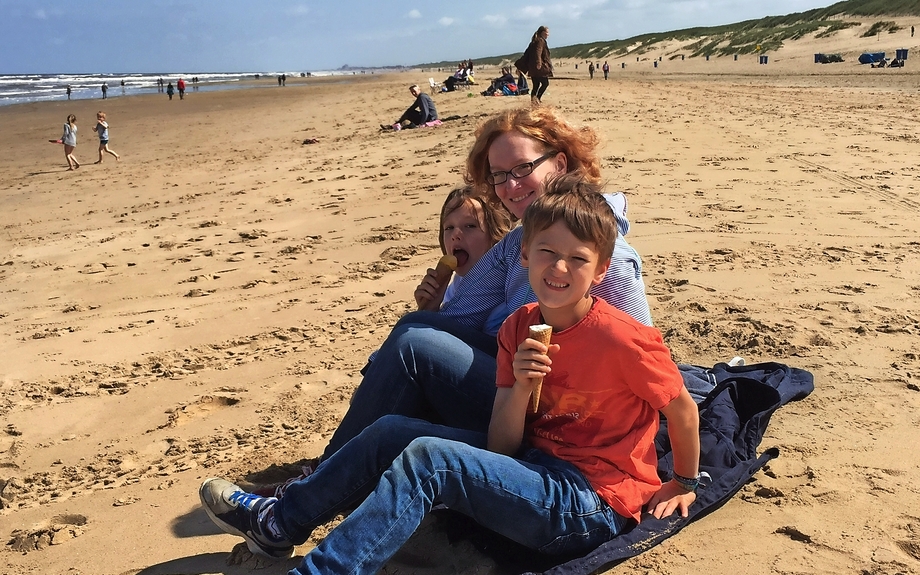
point(496, 219)
point(579, 204)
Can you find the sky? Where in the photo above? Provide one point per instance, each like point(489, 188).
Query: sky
point(121, 36)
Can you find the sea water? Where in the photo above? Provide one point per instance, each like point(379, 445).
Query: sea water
point(22, 88)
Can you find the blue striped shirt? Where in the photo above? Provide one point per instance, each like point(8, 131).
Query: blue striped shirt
point(498, 284)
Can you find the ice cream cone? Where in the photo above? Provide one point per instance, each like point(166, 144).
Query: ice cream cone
point(542, 333)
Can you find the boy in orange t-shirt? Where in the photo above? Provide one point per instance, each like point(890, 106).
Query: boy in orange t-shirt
point(604, 377)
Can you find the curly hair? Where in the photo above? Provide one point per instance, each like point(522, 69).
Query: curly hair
point(547, 126)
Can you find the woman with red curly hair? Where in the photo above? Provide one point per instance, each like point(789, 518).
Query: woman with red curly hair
point(440, 366)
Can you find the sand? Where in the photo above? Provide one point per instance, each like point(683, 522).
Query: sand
point(203, 306)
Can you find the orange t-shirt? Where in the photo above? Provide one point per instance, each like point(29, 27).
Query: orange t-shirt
point(599, 406)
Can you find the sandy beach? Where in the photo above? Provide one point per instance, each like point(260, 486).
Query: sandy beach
point(203, 306)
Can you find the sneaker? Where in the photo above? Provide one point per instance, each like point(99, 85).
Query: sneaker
point(276, 490)
point(736, 361)
point(237, 513)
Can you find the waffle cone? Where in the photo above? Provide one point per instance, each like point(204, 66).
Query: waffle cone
point(542, 333)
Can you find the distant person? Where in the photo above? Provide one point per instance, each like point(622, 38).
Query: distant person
point(420, 112)
point(169, 90)
point(122, 87)
point(606, 69)
point(536, 63)
point(69, 139)
point(911, 31)
point(105, 89)
point(68, 91)
point(102, 129)
point(160, 85)
point(279, 80)
point(181, 86)
point(461, 75)
point(283, 79)
point(591, 70)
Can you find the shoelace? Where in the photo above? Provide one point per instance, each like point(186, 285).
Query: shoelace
point(244, 499)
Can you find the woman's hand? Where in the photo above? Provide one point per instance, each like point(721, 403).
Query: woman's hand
point(670, 497)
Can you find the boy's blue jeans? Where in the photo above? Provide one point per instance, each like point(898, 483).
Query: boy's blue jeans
point(398, 468)
point(430, 367)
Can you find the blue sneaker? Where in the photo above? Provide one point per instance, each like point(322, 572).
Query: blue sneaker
point(237, 513)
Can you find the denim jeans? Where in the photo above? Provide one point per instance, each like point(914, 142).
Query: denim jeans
point(430, 367)
point(538, 501)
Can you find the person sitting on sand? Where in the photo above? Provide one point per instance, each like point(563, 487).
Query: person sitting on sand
point(420, 112)
point(561, 478)
point(450, 377)
point(469, 227)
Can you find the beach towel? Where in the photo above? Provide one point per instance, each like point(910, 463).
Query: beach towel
point(733, 418)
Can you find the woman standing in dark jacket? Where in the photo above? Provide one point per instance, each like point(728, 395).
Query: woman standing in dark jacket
point(539, 66)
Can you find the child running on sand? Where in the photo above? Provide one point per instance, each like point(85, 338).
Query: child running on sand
point(102, 128)
point(562, 480)
point(69, 139)
point(469, 227)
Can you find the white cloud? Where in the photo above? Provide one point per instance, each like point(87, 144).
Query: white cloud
point(40, 14)
point(299, 10)
point(445, 21)
point(532, 12)
point(415, 14)
point(495, 19)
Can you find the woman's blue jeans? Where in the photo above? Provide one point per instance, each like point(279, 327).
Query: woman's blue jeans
point(538, 501)
point(430, 367)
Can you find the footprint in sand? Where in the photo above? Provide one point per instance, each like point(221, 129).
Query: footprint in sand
point(61, 528)
point(207, 403)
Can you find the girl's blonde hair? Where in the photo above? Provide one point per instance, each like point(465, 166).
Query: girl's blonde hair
point(496, 220)
point(545, 125)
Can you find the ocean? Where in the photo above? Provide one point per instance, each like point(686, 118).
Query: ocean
point(23, 88)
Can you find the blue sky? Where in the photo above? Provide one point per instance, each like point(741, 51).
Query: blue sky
point(109, 36)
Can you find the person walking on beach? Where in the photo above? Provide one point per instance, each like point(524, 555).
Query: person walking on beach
point(606, 69)
point(122, 87)
point(68, 91)
point(169, 90)
point(536, 63)
point(102, 128)
point(69, 139)
point(105, 89)
point(181, 85)
point(591, 70)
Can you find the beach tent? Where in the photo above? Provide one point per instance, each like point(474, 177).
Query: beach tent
point(871, 57)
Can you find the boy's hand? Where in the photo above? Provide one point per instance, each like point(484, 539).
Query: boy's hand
point(670, 497)
point(428, 294)
point(532, 363)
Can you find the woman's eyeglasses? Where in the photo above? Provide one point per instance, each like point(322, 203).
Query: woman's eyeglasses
point(518, 172)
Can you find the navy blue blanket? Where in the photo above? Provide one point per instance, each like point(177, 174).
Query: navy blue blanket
point(733, 418)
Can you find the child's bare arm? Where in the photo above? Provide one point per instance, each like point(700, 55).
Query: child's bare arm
point(506, 429)
point(684, 431)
